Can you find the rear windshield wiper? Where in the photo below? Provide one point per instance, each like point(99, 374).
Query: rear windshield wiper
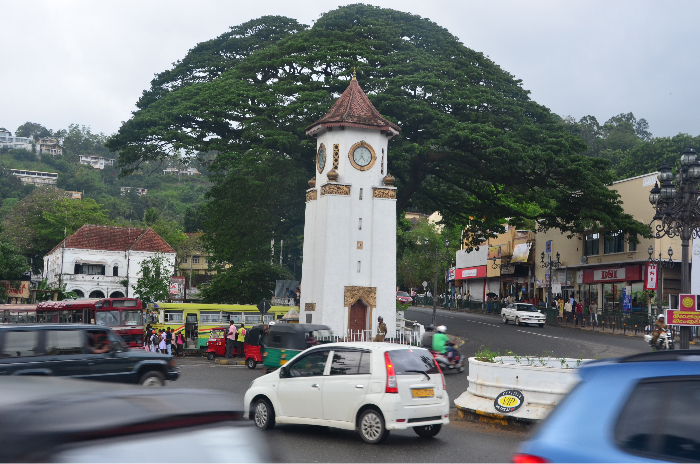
point(420, 372)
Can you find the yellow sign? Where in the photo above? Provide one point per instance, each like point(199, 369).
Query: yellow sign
point(423, 392)
point(508, 401)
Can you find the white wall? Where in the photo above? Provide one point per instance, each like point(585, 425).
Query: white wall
point(475, 258)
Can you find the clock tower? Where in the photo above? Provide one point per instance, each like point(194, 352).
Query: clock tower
point(349, 269)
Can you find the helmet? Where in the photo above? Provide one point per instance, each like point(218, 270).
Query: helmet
point(661, 316)
point(380, 318)
point(441, 329)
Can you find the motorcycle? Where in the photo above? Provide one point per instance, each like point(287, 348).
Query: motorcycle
point(664, 342)
point(446, 365)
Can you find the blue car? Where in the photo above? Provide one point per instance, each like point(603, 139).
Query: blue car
point(642, 408)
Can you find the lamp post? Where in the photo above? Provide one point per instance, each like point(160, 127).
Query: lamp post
point(661, 264)
point(506, 268)
point(550, 265)
point(678, 214)
point(436, 254)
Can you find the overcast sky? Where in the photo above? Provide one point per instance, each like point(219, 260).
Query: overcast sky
point(87, 62)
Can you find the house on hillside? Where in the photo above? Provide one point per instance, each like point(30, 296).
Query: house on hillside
point(139, 190)
point(190, 171)
point(49, 146)
point(95, 261)
point(35, 177)
point(96, 161)
point(8, 141)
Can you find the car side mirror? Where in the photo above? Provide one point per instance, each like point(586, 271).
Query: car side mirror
point(284, 372)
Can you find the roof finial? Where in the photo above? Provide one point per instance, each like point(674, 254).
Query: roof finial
point(354, 76)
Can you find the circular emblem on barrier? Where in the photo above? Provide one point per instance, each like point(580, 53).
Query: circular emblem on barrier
point(688, 302)
point(509, 401)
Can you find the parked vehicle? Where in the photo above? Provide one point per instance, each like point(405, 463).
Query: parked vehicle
point(664, 342)
point(369, 387)
point(403, 297)
point(216, 345)
point(284, 341)
point(69, 420)
point(642, 411)
point(522, 313)
point(82, 351)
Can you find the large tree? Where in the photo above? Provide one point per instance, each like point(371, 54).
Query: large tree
point(472, 141)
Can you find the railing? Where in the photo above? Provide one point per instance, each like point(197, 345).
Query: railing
point(401, 338)
point(279, 301)
point(485, 307)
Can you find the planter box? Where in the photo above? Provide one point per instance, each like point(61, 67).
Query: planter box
point(543, 387)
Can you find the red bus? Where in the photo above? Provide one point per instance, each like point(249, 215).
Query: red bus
point(17, 313)
point(123, 315)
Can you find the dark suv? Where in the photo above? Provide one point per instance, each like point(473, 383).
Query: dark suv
point(82, 351)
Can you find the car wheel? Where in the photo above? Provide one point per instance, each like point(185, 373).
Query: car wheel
point(152, 379)
point(251, 363)
point(211, 355)
point(427, 431)
point(517, 321)
point(372, 429)
point(505, 319)
point(264, 415)
point(541, 325)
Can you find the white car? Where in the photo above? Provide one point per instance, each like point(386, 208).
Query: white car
point(369, 387)
point(522, 313)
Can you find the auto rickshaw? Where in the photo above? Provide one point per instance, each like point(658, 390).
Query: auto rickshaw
point(284, 341)
point(254, 339)
point(216, 345)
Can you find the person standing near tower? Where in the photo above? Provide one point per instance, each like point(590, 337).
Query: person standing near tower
point(381, 330)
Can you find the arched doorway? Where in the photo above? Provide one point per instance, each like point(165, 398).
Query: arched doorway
point(79, 293)
point(116, 295)
point(97, 294)
point(358, 317)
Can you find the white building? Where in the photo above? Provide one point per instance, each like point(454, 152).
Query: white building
point(139, 190)
point(95, 260)
point(8, 141)
point(349, 268)
point(190, 171)
point(50, 146)
point(96, 161)
point(35, 177)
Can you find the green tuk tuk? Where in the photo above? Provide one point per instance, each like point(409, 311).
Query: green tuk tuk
point(284, 341)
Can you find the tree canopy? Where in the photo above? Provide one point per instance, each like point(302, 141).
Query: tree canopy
point(472, 142)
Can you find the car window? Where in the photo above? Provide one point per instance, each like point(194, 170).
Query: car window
point(19, 344)
point(526, 307)
point(64, 342)
point(99, 341)
point(660, 421)
point(413, 360)
point(309, 365)
point(350, 362)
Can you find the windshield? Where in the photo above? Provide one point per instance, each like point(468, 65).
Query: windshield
point(132, 318)
point(402, 294)
point(413, 360)
point(108, 318)
point(526, 307)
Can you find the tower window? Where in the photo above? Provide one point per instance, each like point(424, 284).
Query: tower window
point(359, 226)
point(360, 194)
point(359, 266)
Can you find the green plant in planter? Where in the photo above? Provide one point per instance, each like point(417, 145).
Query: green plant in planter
point(486, 355)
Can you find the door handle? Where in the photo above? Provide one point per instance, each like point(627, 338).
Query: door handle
point(315, 385)
point(359, 386)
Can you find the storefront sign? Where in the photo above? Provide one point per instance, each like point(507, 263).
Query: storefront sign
point(616, 274)
point(609, 274)
point(16, 289)
point(688, 314)
point(509, 401)
point(556, 289)
point(627, 299)
point(650, 280)
point(470, 273)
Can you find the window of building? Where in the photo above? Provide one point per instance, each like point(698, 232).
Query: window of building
point(195, 260)
point(89, 269)
point(183, 260)
point(614, 242)
point(115, 271)
point(591, 244)
point(612, 297)
point(631, 237)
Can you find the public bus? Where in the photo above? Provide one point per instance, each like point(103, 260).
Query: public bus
point(197, 320)
point(123, 315)
point(18, 313)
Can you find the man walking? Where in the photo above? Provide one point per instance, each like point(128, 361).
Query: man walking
point(230, 340)
point(593, 309)
point(168, 341)
point(241, 342)
point(381, 330)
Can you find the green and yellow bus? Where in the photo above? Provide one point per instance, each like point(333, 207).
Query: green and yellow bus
point(196, 320)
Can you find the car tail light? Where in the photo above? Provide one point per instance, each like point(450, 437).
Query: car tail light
point(527, 459)
point(391, 385)
point(437, 364)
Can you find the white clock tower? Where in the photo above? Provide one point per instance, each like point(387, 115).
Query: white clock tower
point(349, 269)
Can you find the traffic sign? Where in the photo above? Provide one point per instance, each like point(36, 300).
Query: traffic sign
point(425, 284)
point(263, 306)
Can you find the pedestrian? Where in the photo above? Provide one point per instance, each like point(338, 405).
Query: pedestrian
point(180, 341)
point(593, 310)
point(567, 310)
point(241, 341)
point(161, 344)
point(560, 306)
point(381, 330)
point(168, 341)
point(488, 304)
point(147, 338)
point(154, 341)
point(579, 314)
point(230, 340)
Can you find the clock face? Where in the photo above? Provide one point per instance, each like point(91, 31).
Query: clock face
point(362, 156)
point(321, 158)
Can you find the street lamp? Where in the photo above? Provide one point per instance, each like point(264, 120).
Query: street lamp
point(661, 264)
point(678, 214)
point(436, 254)
point(549, 265)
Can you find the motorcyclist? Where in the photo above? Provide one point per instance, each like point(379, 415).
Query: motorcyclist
point(659, 328)
point(442, 343)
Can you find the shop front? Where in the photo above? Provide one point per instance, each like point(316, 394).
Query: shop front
point(472, 281)
point(605, 286)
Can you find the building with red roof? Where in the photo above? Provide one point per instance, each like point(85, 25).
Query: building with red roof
point(97, 261)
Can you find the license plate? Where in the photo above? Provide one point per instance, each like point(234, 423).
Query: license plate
point(423, 392)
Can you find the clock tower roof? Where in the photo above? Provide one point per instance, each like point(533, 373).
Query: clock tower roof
point(353, 109)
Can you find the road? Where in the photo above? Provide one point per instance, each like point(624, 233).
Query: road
point(459, 441)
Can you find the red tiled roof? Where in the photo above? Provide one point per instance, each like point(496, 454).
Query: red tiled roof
point(354, 109)
point(113, 238)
